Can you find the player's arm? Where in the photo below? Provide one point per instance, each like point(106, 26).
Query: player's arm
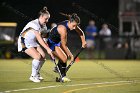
point(82, 36)
point(63, 33)
point(41, 41)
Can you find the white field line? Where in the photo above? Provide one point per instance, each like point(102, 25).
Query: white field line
point(55, 86)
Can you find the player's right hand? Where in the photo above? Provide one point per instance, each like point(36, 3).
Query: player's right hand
point(50, 53)
point(84, 44)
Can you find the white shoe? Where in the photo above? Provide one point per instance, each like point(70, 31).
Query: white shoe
point(65, 79)
point(34, 79)
point(40, 77)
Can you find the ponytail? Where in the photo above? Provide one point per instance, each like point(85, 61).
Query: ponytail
point(72, 17)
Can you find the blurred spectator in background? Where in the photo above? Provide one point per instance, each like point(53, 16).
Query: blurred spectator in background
point(53, 25)
point(130, 54)
point(48, 30)
point(105, 31)
point(105, 36)
point(91, 32)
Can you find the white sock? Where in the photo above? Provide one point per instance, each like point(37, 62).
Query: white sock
point(35, 67)
point(40, 65)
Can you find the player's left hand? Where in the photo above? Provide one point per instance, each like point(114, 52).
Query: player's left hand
point(71, 57)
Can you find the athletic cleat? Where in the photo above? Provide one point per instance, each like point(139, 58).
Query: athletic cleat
point(40, 77)
point(65, 79)
point(34, 79)
point(58, 79)
point(55, 70)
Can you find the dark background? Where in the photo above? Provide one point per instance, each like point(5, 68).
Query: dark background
point(105, 9)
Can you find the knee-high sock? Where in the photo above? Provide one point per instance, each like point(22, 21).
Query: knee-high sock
point(35, 67)
point(62, 67)
point(40, 65)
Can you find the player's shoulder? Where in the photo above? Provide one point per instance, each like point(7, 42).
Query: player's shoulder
point(63, 24)
point(34, 24)
point(62, 27)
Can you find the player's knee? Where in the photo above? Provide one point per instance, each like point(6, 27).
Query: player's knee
point(37, 57)
point(64, 59)
point(43, 56)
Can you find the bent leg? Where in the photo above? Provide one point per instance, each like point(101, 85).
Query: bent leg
point(35, 63)
point(32, 52)
point(43, 56)
point(59, 53)
point(42, 60)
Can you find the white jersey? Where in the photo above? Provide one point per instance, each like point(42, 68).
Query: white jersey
point(29, 37)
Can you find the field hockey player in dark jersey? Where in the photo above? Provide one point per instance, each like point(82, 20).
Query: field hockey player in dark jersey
point(57, 41)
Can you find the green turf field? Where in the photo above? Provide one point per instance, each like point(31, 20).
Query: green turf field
point(88, 76)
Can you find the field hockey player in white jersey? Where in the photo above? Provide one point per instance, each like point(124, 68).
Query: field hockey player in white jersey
point(29, 41)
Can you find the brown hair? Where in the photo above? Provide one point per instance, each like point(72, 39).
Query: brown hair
point(72, 17)
point(44, 11)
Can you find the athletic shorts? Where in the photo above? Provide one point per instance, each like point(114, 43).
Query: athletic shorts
point(24, 44)
point(53, 44)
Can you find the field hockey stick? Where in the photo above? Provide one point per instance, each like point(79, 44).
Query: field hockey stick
point(58, 79)
point(71, 63)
